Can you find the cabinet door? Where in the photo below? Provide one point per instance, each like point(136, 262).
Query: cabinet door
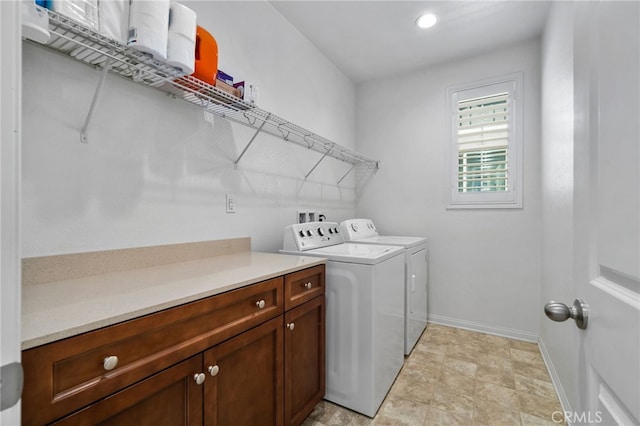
point(171, 397)
point(304, 342)
point(245, 378)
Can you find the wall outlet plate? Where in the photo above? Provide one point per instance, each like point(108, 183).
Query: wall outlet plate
point(230, 203)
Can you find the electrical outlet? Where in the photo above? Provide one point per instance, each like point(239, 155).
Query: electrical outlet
point(230, 203)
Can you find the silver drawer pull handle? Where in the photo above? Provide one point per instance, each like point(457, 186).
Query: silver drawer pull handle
point(214, 370)
point(308, 286)
point(199, 378)
point(291, 326)
point(110, 362)
point(260, 304)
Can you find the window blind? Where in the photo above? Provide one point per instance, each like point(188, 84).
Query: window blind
point(483, 142)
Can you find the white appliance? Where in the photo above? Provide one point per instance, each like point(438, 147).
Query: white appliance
point(364, 314)
point(363, 231)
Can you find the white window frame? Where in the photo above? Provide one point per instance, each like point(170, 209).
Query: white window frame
point(512, 197)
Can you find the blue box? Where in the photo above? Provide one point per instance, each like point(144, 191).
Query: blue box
point(225, 77)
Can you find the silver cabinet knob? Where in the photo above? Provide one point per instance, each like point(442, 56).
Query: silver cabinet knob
point(557, 311)
point(199, 378)
point(308, 286)
point(261, 304)
point(110, 362)
point(291, 326)
point(213, 370)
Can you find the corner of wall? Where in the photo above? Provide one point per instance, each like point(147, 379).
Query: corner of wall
point(555, 378)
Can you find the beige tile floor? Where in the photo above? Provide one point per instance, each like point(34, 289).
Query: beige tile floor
point(460, 377)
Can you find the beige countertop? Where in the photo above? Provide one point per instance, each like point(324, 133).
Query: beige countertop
point(55, 310)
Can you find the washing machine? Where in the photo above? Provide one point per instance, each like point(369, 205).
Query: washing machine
point(364, 313)
point(416, 256)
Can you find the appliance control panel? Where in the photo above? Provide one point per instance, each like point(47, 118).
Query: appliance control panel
point(311, 235)
point(355, 229)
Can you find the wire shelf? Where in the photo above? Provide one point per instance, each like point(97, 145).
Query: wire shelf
point(85, 45)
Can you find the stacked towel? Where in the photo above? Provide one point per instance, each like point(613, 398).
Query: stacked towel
point(149, 27)
point(182, 38)
point(114, 19)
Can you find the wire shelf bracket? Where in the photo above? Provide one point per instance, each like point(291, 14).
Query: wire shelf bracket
point(253, 138)
point(84, 138)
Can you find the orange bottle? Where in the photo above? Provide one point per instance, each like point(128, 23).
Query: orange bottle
point(206, 67)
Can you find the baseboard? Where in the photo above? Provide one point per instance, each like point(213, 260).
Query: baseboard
point(483, 328)
point(555, 379)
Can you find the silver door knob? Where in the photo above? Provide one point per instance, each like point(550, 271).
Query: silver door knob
point(260, 304)
point(308, 286)
point(291, 326)
point(557, 311)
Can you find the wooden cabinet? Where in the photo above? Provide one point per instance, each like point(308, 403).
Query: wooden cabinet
point(67, 375)
point(262, 372)
point(247, 386)
point(304, 349)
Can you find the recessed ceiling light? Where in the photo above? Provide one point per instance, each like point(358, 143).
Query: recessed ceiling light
point(426, 20)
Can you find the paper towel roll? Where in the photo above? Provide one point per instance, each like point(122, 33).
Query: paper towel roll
point(84, 12)
point(149, 27)
point(114, 19)
point(182, 20)
point(181, 53)
point(182, 38)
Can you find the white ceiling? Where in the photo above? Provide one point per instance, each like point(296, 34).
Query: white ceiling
point(374, 39)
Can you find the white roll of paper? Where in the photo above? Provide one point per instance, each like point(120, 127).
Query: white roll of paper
point(114, 19)
point(149, 27)
point(181, 43)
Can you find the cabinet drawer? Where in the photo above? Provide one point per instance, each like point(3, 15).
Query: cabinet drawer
point(302, 286)
point(63, 376)
point(171, 397)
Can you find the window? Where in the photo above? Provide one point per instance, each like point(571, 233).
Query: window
point(486, 148)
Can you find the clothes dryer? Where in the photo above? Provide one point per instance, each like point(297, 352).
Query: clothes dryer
point(416, 256)
point(364, 313)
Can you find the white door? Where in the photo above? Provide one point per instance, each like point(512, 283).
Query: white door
point(10, 81)
point(607, 256)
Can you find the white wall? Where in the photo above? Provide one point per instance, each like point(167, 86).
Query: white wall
point(10, 272)
point(485, 264)
point(558, 340)
point(155, 172)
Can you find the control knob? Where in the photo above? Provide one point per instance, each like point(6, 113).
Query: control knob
point(320, 232)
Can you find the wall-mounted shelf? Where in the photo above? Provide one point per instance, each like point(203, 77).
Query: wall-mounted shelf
point(85, 45)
